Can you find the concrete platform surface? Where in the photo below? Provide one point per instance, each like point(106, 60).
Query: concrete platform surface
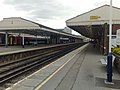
point(3, 49)
point(81, 69)
point(18, 49)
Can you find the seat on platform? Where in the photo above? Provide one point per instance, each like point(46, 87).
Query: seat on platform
point(103, 61)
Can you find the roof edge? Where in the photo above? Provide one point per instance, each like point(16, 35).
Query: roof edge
point(92, 10)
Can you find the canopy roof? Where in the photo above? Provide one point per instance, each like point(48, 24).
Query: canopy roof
point(90, 23)
point(20, 25)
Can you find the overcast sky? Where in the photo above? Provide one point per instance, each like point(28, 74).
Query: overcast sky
point(52, 13)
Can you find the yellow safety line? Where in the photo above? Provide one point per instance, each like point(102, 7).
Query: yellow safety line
point(9, 88)
point(41, 84)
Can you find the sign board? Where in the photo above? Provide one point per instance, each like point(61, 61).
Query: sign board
point(94, 17)
point(113, 42)
point(118, 37)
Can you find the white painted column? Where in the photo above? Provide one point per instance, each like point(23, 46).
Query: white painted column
point(23, 41)
point(109, 57)
point(110, 26)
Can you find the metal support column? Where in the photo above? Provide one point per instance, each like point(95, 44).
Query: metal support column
point(36, 41)
point(109, 67)
point(23, 41)
point(6, 39)
point(47, 39)
point(109, 58)
point(56, 37)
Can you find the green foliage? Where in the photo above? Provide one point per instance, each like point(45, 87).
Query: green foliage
point(116, 51)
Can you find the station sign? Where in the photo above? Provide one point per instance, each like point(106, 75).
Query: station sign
point(118, 37)
point(94, 17)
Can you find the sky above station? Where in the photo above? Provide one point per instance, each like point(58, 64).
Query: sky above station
point(51, 13)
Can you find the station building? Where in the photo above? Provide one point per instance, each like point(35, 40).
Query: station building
point(95, 25)
point(20, 31)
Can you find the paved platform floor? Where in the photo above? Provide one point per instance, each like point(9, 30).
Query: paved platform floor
point(81, 69)
point(3, 49)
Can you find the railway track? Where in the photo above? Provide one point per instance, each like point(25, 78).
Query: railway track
point(11, 71)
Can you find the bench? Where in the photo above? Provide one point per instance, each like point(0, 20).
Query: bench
point(103, 61)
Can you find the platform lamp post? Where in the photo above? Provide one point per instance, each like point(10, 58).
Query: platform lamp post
point(109, 57)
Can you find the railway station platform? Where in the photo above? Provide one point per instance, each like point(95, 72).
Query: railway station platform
point(3, 49)
point(80, 69)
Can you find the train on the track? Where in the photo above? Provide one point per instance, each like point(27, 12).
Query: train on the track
point(16, 39)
